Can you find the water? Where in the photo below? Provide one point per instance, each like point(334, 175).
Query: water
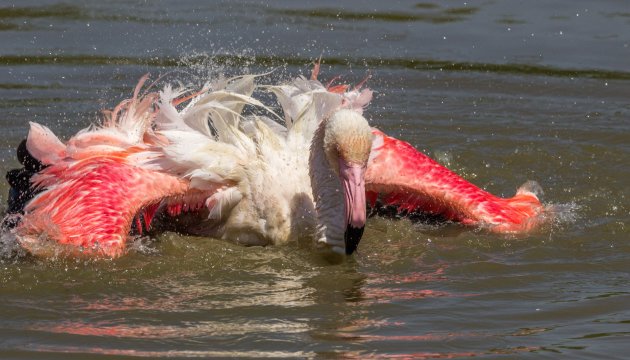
point(501, 92)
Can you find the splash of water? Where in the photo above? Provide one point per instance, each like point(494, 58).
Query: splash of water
point(563, 214)
point(10, 248)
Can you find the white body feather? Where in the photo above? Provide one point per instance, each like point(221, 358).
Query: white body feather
point(258, 170)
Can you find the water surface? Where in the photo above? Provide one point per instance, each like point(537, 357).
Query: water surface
point(500, 91)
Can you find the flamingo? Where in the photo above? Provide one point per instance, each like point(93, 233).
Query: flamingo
point(254, 180)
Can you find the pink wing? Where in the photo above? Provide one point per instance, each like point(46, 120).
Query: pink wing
point(106, 177)
point(90, 205)
point(95, 185)
point(92, 188)
point(400, 175)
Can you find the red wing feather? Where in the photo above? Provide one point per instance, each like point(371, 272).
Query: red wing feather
point(402, 176)
point(92, 204)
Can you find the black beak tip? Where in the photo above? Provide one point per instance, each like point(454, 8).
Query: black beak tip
point(352, 237)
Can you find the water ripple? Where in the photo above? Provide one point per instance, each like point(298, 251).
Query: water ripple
point(275, 61)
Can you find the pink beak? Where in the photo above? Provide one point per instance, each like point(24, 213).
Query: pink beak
point(353, 181)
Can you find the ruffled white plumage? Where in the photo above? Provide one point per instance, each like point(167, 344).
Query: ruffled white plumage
point(257, 168)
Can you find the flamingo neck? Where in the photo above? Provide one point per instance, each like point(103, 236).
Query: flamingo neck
point(328, 196)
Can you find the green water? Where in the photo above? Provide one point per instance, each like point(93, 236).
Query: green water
point(501, 92)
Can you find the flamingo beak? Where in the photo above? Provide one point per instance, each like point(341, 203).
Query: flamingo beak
point(353, 181)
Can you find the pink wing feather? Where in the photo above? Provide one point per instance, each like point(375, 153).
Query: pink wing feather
point(400, 175)
point(93, 188)
point(104, 178)
point(91, 203)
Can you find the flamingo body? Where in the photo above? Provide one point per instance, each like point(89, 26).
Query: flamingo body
point(248, 179)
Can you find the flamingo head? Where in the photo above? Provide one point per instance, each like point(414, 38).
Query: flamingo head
point(347, 144)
